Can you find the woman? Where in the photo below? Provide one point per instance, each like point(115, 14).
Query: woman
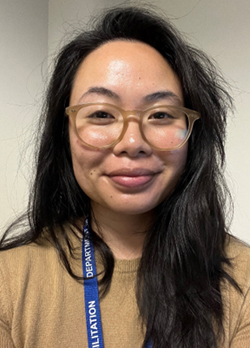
point(129, 180)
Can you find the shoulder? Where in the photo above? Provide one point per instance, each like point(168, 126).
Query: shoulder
point(26, 254)
point(34, 268)
point(40, 254)
point(236, 303)
point(34, 280)
point(20, 264)
point(238, 254)
point(235, 247)
point(22, 273)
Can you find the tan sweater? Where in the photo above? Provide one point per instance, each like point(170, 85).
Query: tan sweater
point(41, 306)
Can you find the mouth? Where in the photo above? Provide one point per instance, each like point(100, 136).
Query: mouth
point(132, 178)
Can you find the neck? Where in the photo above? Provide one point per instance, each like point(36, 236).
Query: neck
point(124, 234)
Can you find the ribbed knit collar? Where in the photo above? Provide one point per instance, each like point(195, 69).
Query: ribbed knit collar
point(126, 266)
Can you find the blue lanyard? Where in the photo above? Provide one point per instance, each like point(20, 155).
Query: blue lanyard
point(92, 305)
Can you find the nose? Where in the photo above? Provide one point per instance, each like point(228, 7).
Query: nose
point(132, 142)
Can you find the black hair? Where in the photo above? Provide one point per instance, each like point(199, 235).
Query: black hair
point(182, 265)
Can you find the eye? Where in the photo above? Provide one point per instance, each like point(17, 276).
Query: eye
point(101, 115)
point(161, 115)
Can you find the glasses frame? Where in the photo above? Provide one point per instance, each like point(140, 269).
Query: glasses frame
point(71, 111)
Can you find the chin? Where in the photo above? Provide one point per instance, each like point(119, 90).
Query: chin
point(133, 208)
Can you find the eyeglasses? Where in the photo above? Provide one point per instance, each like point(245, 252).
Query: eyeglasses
point(102, 125)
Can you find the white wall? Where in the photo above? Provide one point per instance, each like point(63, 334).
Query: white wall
point(221, 28)
point(24, 40)
point(67, 15)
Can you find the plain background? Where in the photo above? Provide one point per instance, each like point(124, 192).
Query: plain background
point(31, 31)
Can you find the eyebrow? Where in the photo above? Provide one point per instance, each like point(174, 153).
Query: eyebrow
point(101, 91)
point(150, 98)
point(154, 97)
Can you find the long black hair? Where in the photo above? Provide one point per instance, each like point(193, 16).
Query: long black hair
point(181, 269)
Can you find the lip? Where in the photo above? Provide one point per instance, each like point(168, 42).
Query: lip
point(132, 172)
point(132, 178)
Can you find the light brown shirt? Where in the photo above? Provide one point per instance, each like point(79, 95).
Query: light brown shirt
point(41, 306)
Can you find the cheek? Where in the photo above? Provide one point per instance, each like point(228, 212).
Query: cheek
point(181, 159)
point(86, 163)
point(175, 164)
point(176, 159)
point(85, 171)
point(80, 158)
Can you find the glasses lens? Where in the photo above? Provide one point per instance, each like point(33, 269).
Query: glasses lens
point(99, 125)
point(165, 127)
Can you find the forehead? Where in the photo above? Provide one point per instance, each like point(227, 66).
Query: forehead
point(125, 67)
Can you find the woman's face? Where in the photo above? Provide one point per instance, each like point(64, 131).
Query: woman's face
point(131, 177)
